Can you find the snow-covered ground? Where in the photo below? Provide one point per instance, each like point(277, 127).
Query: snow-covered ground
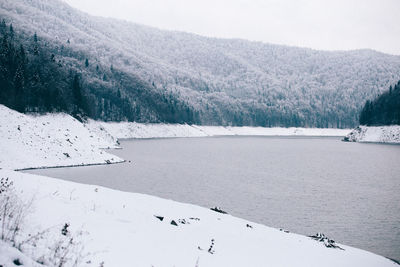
point(10, 256)
point(48, 141)
point(378, 134)
point(140, 130)
point(122, 229)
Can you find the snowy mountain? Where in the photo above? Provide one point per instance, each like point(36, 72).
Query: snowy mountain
point(220, 81)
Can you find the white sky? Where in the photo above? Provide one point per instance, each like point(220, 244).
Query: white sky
point(319, 24)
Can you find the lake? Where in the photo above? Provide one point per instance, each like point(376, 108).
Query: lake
point(348, 191)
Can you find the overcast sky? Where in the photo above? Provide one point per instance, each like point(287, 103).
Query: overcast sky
point(319, 24)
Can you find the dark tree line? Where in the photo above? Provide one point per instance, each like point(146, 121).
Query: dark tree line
point(37, 76)
point(384, 110)
point(31, 80)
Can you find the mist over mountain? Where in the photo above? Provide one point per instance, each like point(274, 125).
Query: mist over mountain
point(134, 72)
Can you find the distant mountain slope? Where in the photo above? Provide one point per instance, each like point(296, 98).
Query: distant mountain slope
point(218, 81)
point(384, 110)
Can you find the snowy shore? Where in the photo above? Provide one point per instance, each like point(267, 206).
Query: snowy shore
point(128, 229)
point(123, 130)
point(377, 134)
point(48, 141)
point(59, 140)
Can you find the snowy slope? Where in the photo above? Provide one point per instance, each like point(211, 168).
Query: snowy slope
point(121, 230)
point(50, 140)
point(9, 256)
point(141, 130)
point(379, 134)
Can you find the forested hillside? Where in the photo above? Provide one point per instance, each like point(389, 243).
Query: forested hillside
point(384, 110)
point(38, 76)
point(128, 71)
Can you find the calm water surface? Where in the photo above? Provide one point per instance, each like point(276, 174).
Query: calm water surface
point(349, 191)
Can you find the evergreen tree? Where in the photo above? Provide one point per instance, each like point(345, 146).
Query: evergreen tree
point(35, 45)
point(77, 93)
point(11, 31)
point(3, 26)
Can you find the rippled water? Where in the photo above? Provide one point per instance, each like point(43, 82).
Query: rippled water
point(349, 191)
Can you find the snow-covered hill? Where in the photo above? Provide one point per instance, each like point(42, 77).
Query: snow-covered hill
point(51, 140)
point(224, 81)
point(127, 229)
point(376, 134)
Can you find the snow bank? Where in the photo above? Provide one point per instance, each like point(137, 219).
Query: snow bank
point(10, 256)
point(48, 141)
point(141, 130)
point(122, 230)
point(379, 134)
point(292, 131)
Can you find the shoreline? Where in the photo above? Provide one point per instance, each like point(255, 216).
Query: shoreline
point(129, 130)
point(141, 220)
point(233, 136)
point(374, 134)
point(68, 166)
point(58, 140)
